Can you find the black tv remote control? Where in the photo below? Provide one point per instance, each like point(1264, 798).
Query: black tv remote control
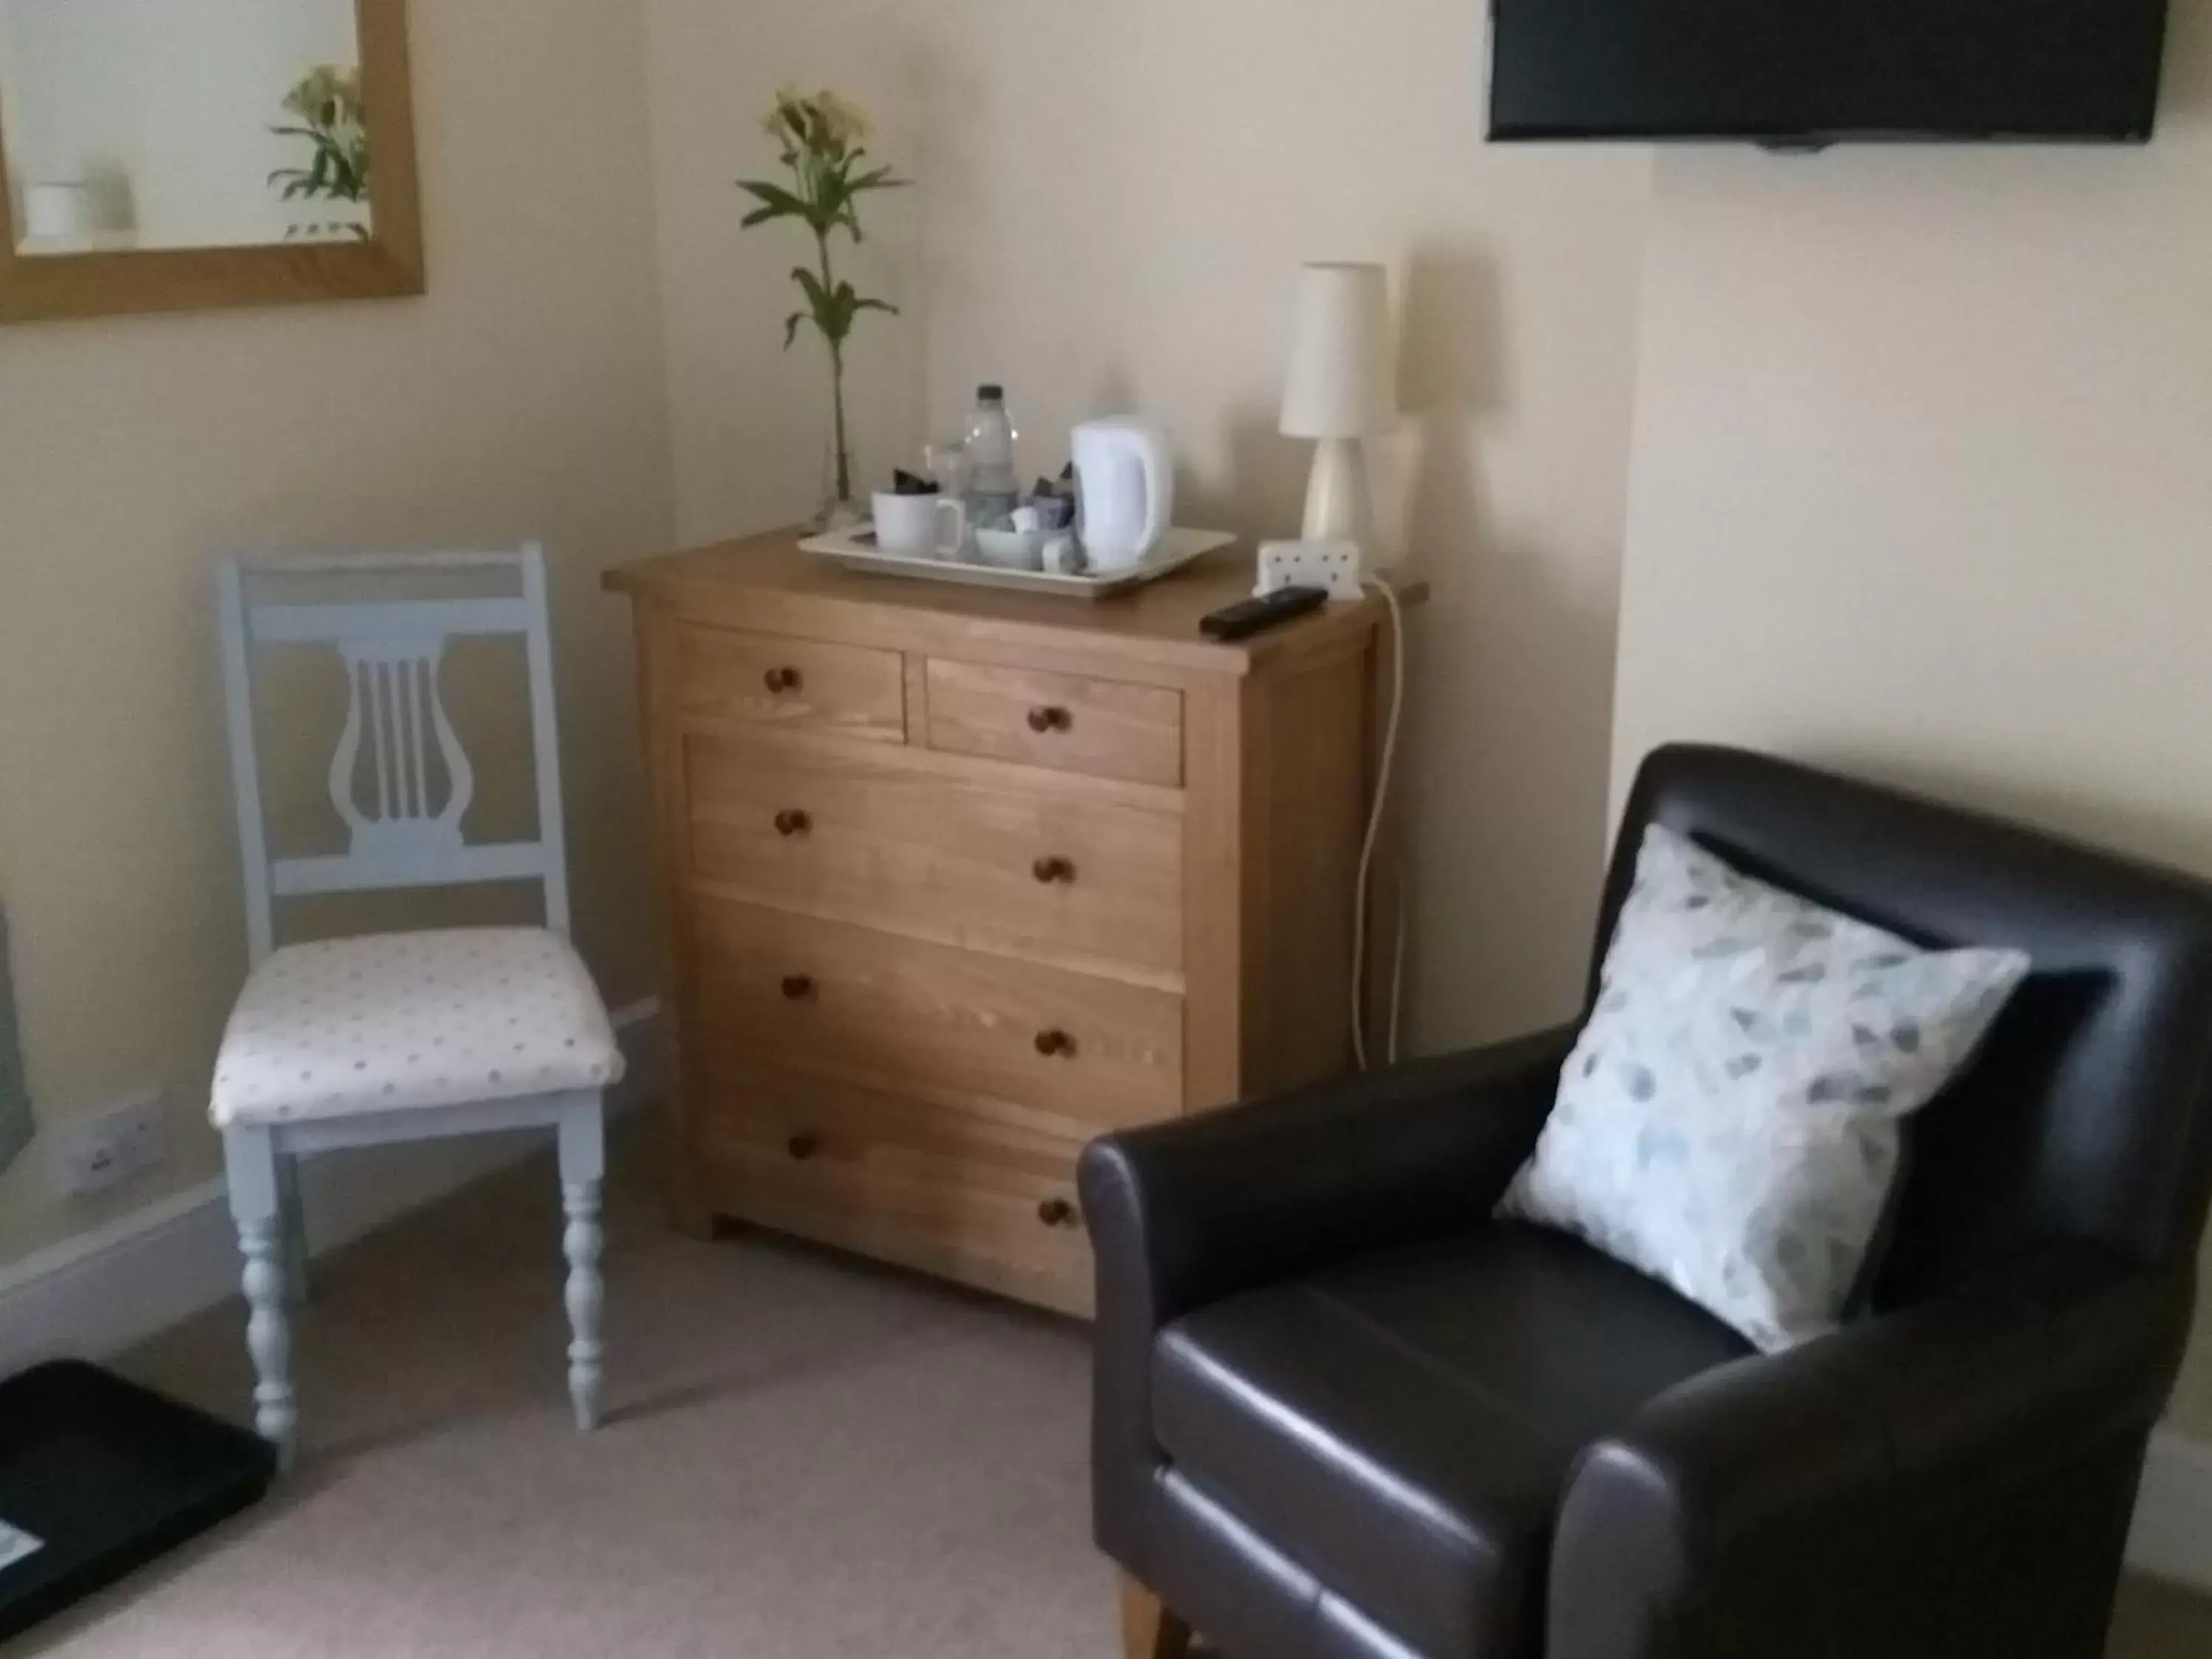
point(1238, 621)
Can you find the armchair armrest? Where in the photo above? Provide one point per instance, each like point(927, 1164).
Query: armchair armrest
point(1850, 1486)
point(1192, 1212)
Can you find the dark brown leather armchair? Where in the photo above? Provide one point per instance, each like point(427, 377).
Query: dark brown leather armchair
point(1342, 1414)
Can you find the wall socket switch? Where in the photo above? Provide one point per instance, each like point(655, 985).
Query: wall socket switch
point(110, 1147)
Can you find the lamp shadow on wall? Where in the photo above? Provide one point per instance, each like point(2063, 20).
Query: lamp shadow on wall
point(1261, 496)
point(1452, 374)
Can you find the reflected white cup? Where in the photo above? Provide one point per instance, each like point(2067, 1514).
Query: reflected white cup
point(920, 526)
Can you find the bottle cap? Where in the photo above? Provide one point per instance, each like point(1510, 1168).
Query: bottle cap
point(991, 394)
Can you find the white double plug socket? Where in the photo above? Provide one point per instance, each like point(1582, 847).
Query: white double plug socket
point(111, 1146)
point(1336, 566)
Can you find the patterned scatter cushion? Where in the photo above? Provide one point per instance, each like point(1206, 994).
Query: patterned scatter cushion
point(1730, 1122)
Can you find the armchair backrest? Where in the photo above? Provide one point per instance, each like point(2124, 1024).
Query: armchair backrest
point(2088, 1115)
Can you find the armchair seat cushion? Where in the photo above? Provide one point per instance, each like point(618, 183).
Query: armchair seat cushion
point(1402, 1425)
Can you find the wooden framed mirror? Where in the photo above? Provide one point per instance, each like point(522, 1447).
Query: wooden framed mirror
point(191, 155)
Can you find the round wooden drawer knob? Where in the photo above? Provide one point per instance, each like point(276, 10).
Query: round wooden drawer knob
point(798, 987)
point(1050, 719)
point(1057, 1212)
point(803, 1147)
point(780, 680)
point(1050, 1043)
point(1052, 871)
point(791, 824)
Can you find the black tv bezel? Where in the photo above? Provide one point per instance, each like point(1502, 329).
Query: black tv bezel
point(1813, 141)
point(1810, 141)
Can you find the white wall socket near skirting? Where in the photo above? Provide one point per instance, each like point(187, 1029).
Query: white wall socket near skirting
point(92, 1154)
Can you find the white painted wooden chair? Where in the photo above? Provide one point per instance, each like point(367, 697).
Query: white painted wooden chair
point(401, 1037)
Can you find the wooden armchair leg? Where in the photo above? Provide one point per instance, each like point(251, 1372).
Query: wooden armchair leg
point(1149, 1630)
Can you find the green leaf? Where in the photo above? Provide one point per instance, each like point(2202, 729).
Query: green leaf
point(884, 306)
point(791, 326)
point(777, 202)
point(849, 304)
point(346, 184)
point(877, 178)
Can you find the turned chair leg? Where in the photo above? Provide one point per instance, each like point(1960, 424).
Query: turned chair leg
point(257, 1206)
point(1149, 1630)
point(292, 1217)
point(583, 1167)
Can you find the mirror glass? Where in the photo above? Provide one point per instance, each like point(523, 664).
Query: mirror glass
point(182, 124)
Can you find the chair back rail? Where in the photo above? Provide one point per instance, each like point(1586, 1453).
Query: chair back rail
point(399, 777)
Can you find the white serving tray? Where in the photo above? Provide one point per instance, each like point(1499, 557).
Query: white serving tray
point(856, 550)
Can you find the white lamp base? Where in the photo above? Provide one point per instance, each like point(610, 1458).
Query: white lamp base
point(1339, 504)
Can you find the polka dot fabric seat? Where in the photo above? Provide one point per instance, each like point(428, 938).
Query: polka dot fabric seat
point(402, 1021)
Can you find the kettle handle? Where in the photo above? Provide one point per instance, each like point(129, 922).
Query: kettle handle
point(1158, 462)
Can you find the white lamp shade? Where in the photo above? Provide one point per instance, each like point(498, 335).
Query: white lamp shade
point(1342, 380)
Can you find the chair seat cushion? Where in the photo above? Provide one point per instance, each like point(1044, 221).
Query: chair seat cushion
point(398, 1021)
point(1402, 1426)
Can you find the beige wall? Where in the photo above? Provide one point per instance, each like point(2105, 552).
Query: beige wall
point(1115, 200)
point(524, 397)
point(1922, 481)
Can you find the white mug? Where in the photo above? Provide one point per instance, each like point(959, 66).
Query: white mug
point(1125, 475)
point(932, 526)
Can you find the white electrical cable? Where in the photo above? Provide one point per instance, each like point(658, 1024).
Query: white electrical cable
point(1367, 851)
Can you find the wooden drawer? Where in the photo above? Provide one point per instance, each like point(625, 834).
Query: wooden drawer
point(1102, 727)
point(944, 1191)
point(725, 678)
point(1082, 876)
point(927, 1021)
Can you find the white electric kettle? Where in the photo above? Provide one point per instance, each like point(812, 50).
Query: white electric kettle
point(1125, 478)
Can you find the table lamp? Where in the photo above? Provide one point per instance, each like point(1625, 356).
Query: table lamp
point(1341, 391)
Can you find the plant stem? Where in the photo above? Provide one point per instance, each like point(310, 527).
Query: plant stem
point(837, 377)
point(837, 396)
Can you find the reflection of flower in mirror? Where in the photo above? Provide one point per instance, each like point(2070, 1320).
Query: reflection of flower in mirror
point(326, 110)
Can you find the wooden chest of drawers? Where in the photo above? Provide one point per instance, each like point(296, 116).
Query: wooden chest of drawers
point(956, 879)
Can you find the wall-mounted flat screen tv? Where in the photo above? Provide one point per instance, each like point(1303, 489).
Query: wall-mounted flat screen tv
point(1808, 73)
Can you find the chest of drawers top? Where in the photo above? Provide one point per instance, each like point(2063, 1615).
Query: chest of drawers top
point(767, 584)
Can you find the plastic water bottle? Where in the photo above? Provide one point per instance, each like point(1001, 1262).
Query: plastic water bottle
point(994, 482)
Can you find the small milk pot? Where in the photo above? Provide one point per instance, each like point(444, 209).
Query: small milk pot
point(1125, 475)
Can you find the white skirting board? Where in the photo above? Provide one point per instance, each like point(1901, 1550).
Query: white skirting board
point(98, 1293)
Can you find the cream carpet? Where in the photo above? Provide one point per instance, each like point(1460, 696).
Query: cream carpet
point(806, 1457)
point(809, 1458)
